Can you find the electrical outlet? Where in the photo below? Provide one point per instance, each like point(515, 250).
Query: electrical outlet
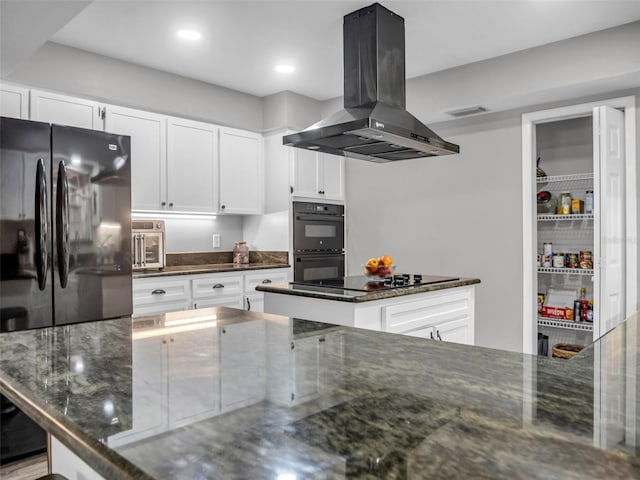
point(216, 240)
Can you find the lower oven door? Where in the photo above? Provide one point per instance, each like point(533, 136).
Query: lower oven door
point(318, 266)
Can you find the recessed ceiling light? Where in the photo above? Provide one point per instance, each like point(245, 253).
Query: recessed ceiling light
point(189, 34)
point(285, 68)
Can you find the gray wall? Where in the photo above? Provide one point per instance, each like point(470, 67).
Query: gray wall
point(454, 215)
point(290, 110)
point(87, 75)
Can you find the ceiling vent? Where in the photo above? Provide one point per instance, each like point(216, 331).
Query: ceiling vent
point(466, 111)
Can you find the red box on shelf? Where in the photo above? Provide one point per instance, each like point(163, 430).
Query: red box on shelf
point(558, 312)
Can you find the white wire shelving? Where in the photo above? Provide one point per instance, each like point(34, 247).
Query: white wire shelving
point(567, 324)
point(566, 271)
point(545, 217)
point(565, 178)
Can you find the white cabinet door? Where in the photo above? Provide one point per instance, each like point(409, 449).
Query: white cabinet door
point(457, 331)
point(148, 385)
point(331, 176)
point(216, 286)
point(608, 151)
point(148, 154)
point(193, 380)
point(306, 368)
point(192, 171)
point(305, 174)
point(254, 302)
point(14, 101)
point(65, 110)
point(241, 175)
point(277, 159)
point(242, 361)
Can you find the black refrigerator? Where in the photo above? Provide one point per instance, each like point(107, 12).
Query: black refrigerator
point(65, 238)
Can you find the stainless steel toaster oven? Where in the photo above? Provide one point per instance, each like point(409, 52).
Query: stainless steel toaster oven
point(148, 244)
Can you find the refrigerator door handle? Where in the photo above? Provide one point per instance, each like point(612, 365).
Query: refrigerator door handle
point(41, 226)
point(136, 251)
point(62, 224)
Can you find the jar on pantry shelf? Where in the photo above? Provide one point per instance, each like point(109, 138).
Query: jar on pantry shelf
point(565, 203)
point(240, 253)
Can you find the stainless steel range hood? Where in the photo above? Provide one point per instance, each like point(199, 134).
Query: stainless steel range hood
point(374, 124)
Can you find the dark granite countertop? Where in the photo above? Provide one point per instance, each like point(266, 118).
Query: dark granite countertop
point(376, 292)
point(207, 268)
point(340, 403)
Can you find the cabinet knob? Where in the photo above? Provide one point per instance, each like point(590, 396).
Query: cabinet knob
point(224, 331)
point(171, 204)
point(223, 207)
point(164, 341)
point(171, 340)
point(164, 204)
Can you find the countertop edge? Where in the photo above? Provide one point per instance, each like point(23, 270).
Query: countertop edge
point(210, 268)
point(361, 297)
point(104, 460)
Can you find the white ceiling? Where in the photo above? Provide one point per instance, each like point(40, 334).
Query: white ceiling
point(243, 40)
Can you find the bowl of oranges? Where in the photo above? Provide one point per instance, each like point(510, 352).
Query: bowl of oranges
point(377, 268)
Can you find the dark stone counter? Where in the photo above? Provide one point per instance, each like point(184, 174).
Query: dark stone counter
point(224, 393)
point(377, 292)
point(207, 268)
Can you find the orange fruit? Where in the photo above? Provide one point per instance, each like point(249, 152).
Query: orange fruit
point(386, 260)
point(372, 265)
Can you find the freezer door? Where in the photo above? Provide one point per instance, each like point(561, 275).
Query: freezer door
point(91, 225)
point(25, 229)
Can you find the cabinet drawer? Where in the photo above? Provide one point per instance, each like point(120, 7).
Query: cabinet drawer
point(154, 291)
point(251, 281)
point(217, 286)
point(228, 301)
point(442, 307)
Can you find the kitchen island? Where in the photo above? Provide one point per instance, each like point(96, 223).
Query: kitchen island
point(441, 308)
point(224, 393)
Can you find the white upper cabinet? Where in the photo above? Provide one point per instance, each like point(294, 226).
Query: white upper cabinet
point(65, 110)
point(192, 173)
point(14, 101)
point(331, 172)
point(241, 177)
point(318, 175)
point(277, 158)
point(148, 154)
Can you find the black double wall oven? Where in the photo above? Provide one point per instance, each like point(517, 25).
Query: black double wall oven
point(318, 241)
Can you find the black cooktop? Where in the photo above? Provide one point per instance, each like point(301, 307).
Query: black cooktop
point(361, 283)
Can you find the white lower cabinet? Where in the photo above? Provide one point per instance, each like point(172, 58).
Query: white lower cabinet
point(217, 290)
point(160, 295)
point(446, 316)
point(184, 292)
point(242, 364)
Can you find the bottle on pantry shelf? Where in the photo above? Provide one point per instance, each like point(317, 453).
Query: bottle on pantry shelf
point(588, 202)
point(590, 311)
point(585, 304)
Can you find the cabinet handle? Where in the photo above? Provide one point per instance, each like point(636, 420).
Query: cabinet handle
point(218, 285)
point(266, 280)
point(224, 331)
point(319, 192)
point(438, 335)
point(223, 207)
point(171, 204)
point(158, 291)
point(164, 204)
point(322, 339)
point(431, 335)
point(171, 340)
point(164, 341)
point(248, 304)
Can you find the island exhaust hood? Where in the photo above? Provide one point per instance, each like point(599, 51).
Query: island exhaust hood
point(374, 124)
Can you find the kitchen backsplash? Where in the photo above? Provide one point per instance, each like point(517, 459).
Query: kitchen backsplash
point(206, 258)
point(195, 235)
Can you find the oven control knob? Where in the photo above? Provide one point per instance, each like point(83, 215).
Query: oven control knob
point(417, 278)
